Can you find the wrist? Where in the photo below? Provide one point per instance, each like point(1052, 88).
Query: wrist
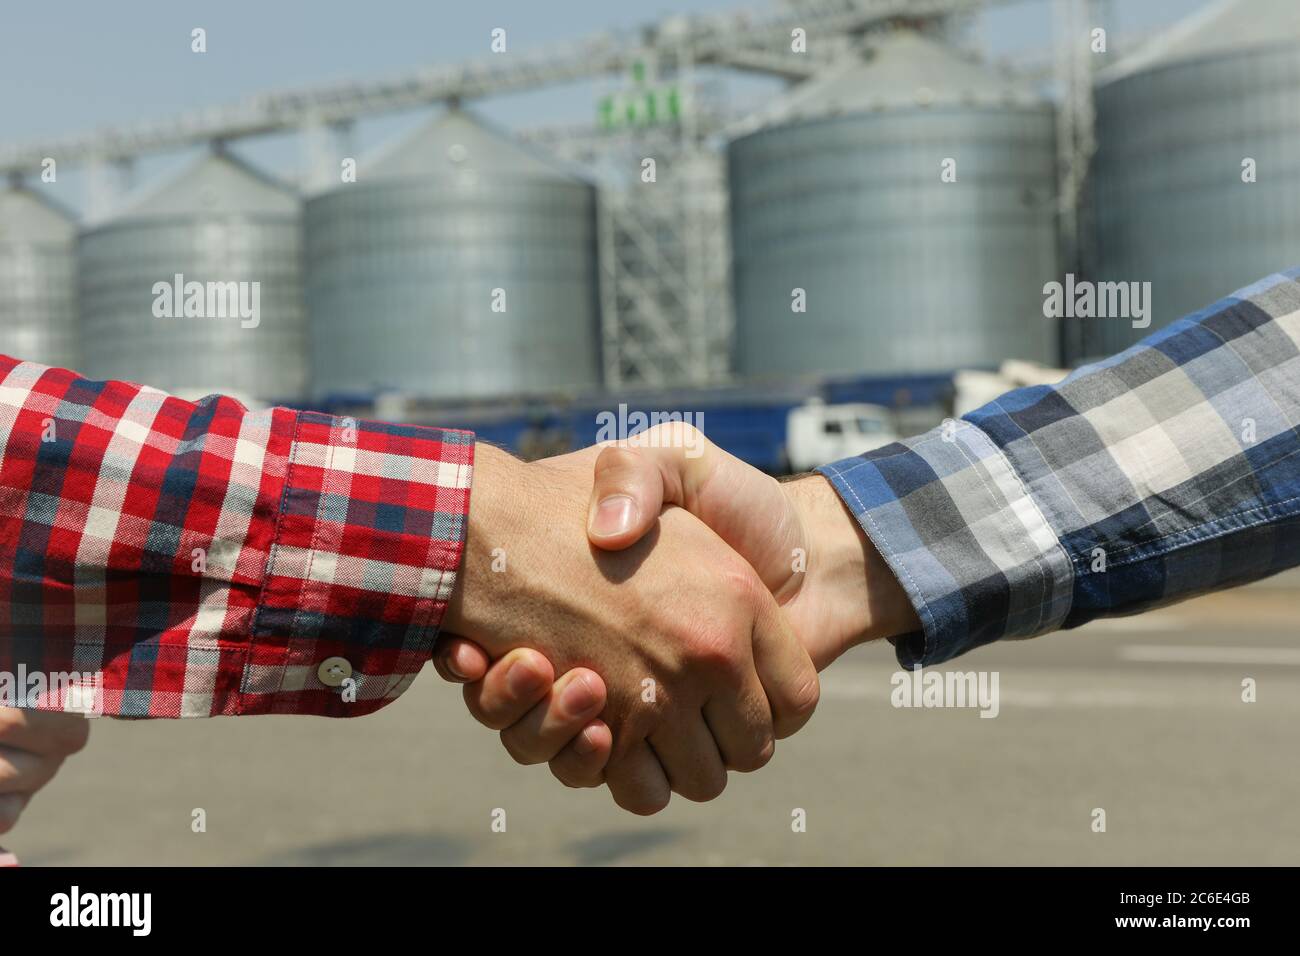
point(869, 599)
point(495, 473)
point(892, 612)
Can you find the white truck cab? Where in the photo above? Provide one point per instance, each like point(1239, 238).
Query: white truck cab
point(817, 433)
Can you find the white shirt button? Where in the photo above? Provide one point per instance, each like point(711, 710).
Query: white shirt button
point(333, 671)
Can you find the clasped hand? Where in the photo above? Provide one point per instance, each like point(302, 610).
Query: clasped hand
point(687, 637)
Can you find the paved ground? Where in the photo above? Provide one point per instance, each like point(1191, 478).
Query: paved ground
point(1142, 718)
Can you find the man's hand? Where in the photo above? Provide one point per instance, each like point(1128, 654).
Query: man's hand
point(543, 720)
point(33, 745)
point(805, 545)
point(700, 671)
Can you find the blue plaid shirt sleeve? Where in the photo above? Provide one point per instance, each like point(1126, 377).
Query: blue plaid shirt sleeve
point(1166, 471)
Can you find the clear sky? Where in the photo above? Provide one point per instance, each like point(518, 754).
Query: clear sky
point(77, 65)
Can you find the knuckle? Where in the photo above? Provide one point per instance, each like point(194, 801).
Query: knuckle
point(801, 704)
point(741, 581)
point(745, 591)
point(521, 748)
point(641, 803)
point(755, 759)
point(573, 783)
point(480, 707)
point(615, 459)
point(440, 664)
point(705, 788)
point(574, 776)
point(715, 647)
point(808, 696)
point(495, 721)
point(670, 434)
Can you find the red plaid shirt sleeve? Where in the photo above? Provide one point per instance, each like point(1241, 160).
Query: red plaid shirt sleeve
point(199, 559)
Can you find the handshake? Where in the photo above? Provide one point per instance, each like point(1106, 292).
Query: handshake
point(687, 627)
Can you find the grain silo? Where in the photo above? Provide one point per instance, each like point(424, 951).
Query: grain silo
point(458, 264)
point(38, 285)
point(840, 193)
point(196, 287)
point(1181, 128)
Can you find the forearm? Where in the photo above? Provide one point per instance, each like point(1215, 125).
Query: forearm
point(200, 559)
point(1166, 471)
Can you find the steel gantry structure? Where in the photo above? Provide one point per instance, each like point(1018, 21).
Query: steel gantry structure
point(665, 268)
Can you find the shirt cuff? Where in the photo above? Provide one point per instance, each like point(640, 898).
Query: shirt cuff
point(956, 524)
point(367, 546)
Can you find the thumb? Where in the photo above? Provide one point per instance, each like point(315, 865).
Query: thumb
point(459, 661)
point(674, 464)
point(626, 498)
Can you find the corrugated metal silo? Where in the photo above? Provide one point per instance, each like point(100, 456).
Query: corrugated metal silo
point(1174, 125)
point(402, 266)
point(38, 280)
point(839, 193)
point(219, 222)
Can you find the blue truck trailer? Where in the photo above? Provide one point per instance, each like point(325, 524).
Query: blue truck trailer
point(749, 421)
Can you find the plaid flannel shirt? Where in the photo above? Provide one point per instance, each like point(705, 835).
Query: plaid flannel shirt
point(1166, 471)
point(201, 559)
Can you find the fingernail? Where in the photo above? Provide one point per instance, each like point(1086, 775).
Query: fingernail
point(456, 670)
point(522, 679)
point(585, 743)
point(579, 697)
point(613, 515)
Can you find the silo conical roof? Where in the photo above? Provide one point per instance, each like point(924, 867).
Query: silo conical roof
point(905, 71)
point(461, 145)
point(216, 183)
point(27, 217)
point(1221, 28)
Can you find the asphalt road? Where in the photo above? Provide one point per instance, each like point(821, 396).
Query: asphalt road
point(1142, 718)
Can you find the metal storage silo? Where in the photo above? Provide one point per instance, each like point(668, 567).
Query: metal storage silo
point(1175, 124)
point(404, 268)
point(38, 280)
point(839, 193)
point(235, 232)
